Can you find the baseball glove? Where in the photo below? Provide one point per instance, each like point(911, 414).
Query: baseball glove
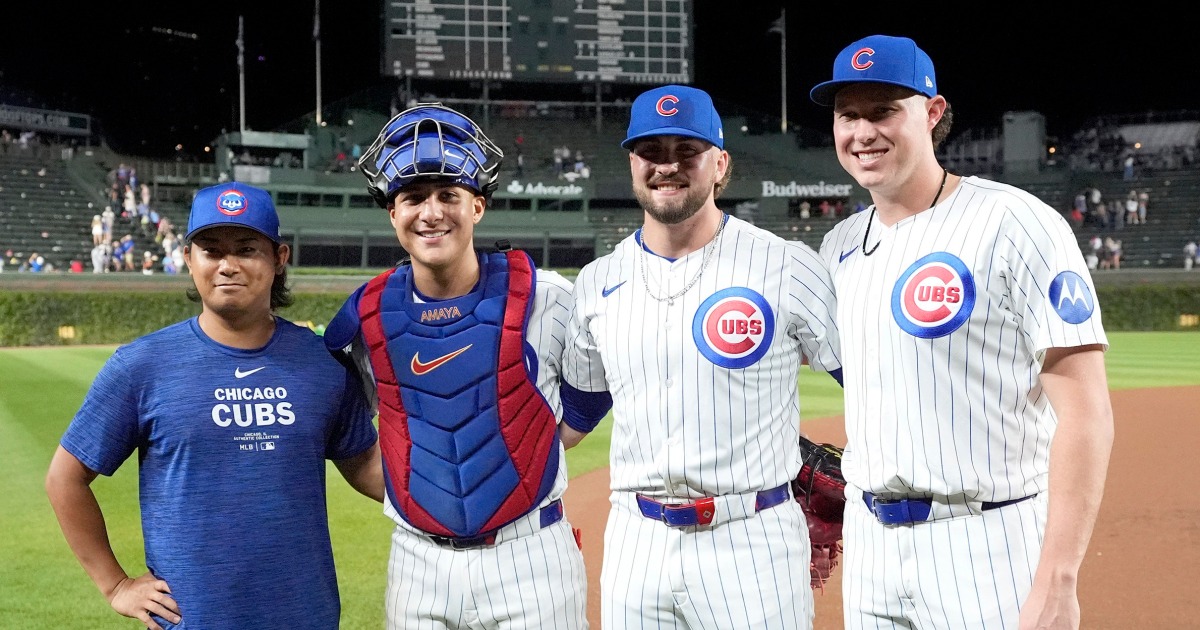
point(820, 489)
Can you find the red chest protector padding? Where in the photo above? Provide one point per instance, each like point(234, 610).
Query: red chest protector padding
point(469, 444)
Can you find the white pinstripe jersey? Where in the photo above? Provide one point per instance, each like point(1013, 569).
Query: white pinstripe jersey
point(943, 331)
point(546, 332)
point(704, 391)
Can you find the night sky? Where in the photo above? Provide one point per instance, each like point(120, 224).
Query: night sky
point(154, 74)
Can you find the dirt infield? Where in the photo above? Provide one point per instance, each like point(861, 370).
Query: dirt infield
point(1147, 538)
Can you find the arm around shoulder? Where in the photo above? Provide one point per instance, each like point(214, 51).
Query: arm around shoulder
point(364, 472)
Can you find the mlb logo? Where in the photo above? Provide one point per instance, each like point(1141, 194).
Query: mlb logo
point(266, 446)
point(245, 447)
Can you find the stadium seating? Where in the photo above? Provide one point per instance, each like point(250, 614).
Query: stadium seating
point(41, 209)
point(46, 203)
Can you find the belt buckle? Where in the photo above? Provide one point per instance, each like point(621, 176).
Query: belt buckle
point(699, 512)
point(464, 543)
point(898, 511)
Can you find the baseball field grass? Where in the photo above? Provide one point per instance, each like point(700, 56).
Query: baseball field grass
point(42, 585)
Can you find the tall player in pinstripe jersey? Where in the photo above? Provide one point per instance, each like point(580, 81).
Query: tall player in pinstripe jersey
point(697, 326)
point(462, 351)
point(977, 410)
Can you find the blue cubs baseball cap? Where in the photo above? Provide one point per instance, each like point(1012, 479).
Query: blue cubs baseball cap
point(879, 59)
point(236, 204)
point(674, 110)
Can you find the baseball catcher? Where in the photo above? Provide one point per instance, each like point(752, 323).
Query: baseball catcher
point(820, 490)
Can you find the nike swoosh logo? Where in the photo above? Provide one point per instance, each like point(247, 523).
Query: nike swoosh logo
point(420, 368)
point(238, 373)
point(846, 255)
point(609, 291)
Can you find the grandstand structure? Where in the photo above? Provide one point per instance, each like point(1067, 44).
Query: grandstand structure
point(49, 194)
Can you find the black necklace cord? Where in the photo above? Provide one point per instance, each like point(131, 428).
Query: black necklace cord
point(870, 219)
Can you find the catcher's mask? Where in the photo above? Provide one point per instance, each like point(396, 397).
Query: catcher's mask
point(430, 141)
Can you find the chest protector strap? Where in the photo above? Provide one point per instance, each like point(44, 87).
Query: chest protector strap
point(469, 443)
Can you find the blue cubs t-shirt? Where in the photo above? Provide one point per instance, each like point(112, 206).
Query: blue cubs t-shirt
point(232, 447)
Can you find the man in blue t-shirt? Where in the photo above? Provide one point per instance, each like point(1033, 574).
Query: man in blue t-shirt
point(232, 434)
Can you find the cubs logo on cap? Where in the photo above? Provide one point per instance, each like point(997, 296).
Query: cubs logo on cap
point(879, 59)
point(733, 328)
point(675, 110)
point(236, 204)
point(231, 202)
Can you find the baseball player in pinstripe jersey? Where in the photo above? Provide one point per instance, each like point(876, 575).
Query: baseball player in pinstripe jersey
point(977, 411)
point(697, 325)
point(462, 351)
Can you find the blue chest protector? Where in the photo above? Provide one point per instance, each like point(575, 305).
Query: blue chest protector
point(469, 443)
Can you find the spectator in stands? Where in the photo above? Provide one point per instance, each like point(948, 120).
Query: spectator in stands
point(129, 204)
point(1129, 161)
point(100, 258)
point(165, 228)
point(1075, 217)
point(121, 176)
point(1095, 251)
point(558, 162)
point(36, 263)
point(1143, 201)
point(178, 260)
point(97, 230)
point(1112, 251)
point(148, 260)
point(124, 251)
point(1131, 208)
point(144, 190)
point(106, 219)
point(1100, 215)
point(1191, 252)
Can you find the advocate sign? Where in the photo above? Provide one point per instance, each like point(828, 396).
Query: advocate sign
point(819, 190)
point(538, 189)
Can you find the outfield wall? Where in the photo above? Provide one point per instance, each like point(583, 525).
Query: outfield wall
point(70, 309)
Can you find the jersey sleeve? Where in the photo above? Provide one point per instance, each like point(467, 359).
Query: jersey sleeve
point(814, 303)
point(583, 367)
point(1049, 285)
point(343, 338)
point(106, 429)
point(353, 432)
point(547, 327)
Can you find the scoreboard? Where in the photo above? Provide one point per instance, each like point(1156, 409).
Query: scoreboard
point(567, 41)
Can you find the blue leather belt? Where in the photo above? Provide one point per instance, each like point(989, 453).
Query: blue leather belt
point(916, 510)
point(549, 515)
point(701, 511)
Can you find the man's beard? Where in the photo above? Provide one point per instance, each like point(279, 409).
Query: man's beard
point(673, 212)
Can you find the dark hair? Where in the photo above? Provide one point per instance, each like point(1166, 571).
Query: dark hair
point(281, 295)
point(942, 128)
point(722, 183)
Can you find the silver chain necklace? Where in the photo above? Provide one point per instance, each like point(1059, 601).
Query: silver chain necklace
point(709, 249)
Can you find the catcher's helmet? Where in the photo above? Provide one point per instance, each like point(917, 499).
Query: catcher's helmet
point(430, 141)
